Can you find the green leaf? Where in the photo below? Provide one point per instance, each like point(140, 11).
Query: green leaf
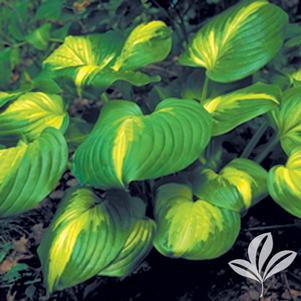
point(49, 10)
point(14, 273)
point(287, 119)
point(148, 43)
point(237, 42)
point(29, 172)
point(44, 82)
point(95, 50)
point(8, 60)
point(89, 235)
point(4, 250)
point(30, 114)
point(39, 38)
point(101, 59)
point(7, 97)
point(248, 177)
point(77, 131)
point(86, 234)
point(214, 188)
point(237, 186)
point(194, 230)
point(126, 145)
point(96, 82)
point(136, 247)
point(18, 19)
point(61, 33)
point(230, 110)
point(284, 183)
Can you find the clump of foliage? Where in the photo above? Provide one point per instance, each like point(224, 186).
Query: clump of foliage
point(158, 155)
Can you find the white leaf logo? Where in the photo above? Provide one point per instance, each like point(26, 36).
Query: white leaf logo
point(259, 251)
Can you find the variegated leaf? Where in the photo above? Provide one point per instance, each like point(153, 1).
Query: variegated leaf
point(237, 42)
point(172, 137)
point(29, 172)
point(284, 183)
point(232, 109)
point(28, 115)
point(287, 119)
point(242, 182)
point(92, 236)
point(190, 229)
point(97, 61)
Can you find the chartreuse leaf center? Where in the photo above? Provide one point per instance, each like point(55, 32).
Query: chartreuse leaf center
point(30, 114)
point(237, 42)
point(98, 60)
point(91, 236)
point(125, 145)
point(10, 159)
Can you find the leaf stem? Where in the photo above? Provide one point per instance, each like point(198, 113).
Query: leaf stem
point(270, 145)
point(262, 289)
point(254, 140)
point(19, 44)
point(273, 227)
point(104, 97)
point(54, 40)
point(182, 26)
point(205, 89)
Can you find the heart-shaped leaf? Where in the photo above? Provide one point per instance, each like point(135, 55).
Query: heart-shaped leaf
point(237, 42)
point(126, 145)
point(230, 110)
point(137, 246)
point(99, 60)
point(148, 43)
point(84, 51)
point(192, 230)
point(248, 177)
point(29, 172)
point(287, 119)
point(284, 183)
point(237, 186)
point(28, 115)
point(89, 235)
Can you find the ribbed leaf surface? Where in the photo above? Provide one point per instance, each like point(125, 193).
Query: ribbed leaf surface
point(287, 119)
point(203, 222)
point(237, 42)
point(97, 61)
point(31, 171)
point(284, 183)
point(6, 97)
point(126, 145)
point(89, 235)
point(190, 229)
point(147, 44)
point(237, 186)
point(79, 51)
point(137, 246)
point(230, 110)
point(85, 236)
point(248, 177)
point(30, 114)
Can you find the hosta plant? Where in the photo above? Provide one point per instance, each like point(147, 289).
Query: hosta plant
point(152, 173)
